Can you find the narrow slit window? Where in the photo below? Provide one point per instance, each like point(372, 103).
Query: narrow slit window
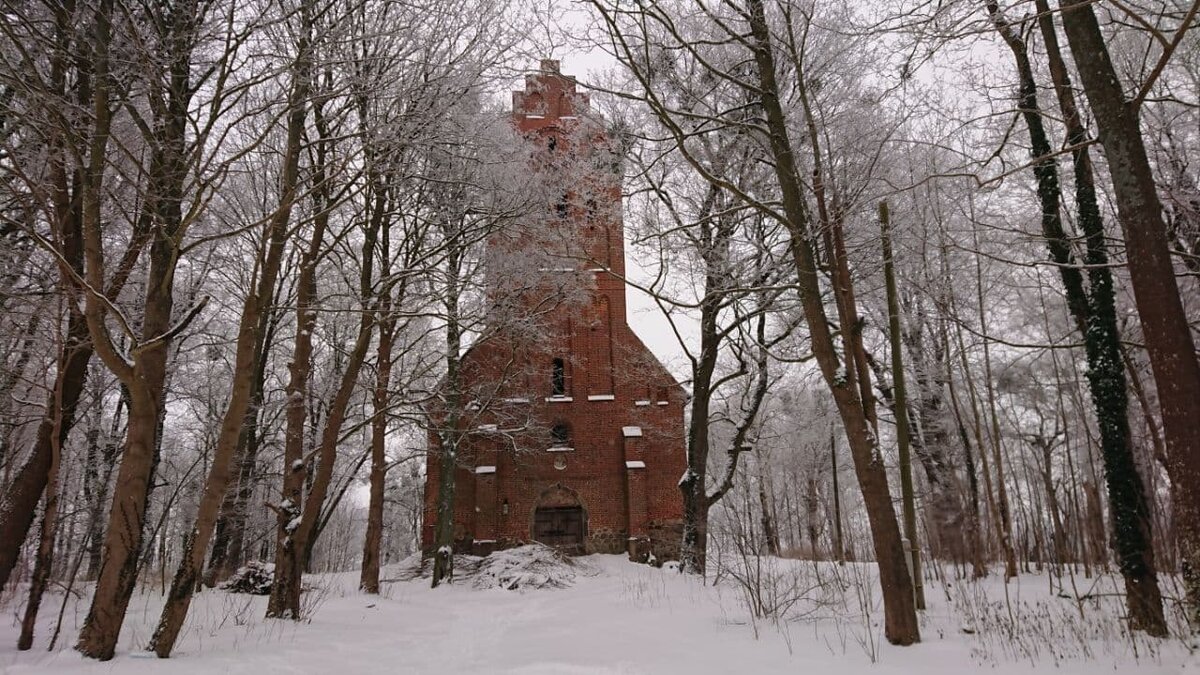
point(558, 378)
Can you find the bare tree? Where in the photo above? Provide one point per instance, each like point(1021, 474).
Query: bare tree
point(747, 55)
point(1168, 337)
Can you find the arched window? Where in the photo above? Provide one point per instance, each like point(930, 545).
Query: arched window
point(558, 378)
point(560, 435)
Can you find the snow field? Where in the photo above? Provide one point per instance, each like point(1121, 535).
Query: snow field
point(620, 618)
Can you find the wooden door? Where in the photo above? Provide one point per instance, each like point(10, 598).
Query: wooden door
point(559, 526)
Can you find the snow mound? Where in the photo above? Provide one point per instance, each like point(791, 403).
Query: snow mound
point(255, 579)
point(532, 566)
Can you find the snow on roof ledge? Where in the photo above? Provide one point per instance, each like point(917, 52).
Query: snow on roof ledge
point(631, 432)
point(485, 469)
point(635, 464)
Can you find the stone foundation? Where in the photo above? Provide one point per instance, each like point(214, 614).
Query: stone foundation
point(606, 541)
point(665, 538)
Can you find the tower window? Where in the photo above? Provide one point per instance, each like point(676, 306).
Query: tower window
point(558, 378)
point(560, 435)
point(552, 143)
point(563, 206)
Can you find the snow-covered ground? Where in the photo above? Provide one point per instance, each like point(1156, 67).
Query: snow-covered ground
point(618, 617)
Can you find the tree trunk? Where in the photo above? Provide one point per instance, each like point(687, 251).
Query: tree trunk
point(144, 373)
point(45, 553)
point(1003, 520)
point(900, 618)
point(1095, 316)
point(694, 545)
point(369, 579)
point(770, 531)
point(450, 435)
point(285, 590)
point(246, 365)
point(123, 535)
point(230, 533)
point(901, 398)
point(19, 506)
point(1164, 325)
point(839, 546)
point(303, 534)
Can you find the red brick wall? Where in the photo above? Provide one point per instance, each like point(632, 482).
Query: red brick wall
point(604, 359)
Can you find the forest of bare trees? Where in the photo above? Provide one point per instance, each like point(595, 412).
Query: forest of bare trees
point(930, 273)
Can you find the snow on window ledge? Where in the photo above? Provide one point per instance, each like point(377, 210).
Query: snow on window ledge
point(641, 403)
point(560, 448)
point(602, 397)
point(485, 469)
point(635, 464)
point(631, 432)
point(559, 399)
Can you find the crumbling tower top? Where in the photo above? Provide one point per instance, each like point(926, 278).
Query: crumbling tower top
point(549, 98)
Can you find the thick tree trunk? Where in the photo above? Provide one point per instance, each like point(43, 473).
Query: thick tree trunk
point(450, 435)
point(812, 520)
point(949, 536)
point(693, 485)
point(145, 372)
point(1164, 325)
point(123, 535)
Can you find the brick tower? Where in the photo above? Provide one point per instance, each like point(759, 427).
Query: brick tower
point(603, 477)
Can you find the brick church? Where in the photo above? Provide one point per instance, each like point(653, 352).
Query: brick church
point(602, 474)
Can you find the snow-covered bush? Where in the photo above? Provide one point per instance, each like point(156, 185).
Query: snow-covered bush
point(255, 579)
point(524, 567)
point(532, 566)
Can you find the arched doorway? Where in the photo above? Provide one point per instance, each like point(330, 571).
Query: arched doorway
point(559, 520)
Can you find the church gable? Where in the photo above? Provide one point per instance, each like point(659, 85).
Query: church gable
point(597, 470)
